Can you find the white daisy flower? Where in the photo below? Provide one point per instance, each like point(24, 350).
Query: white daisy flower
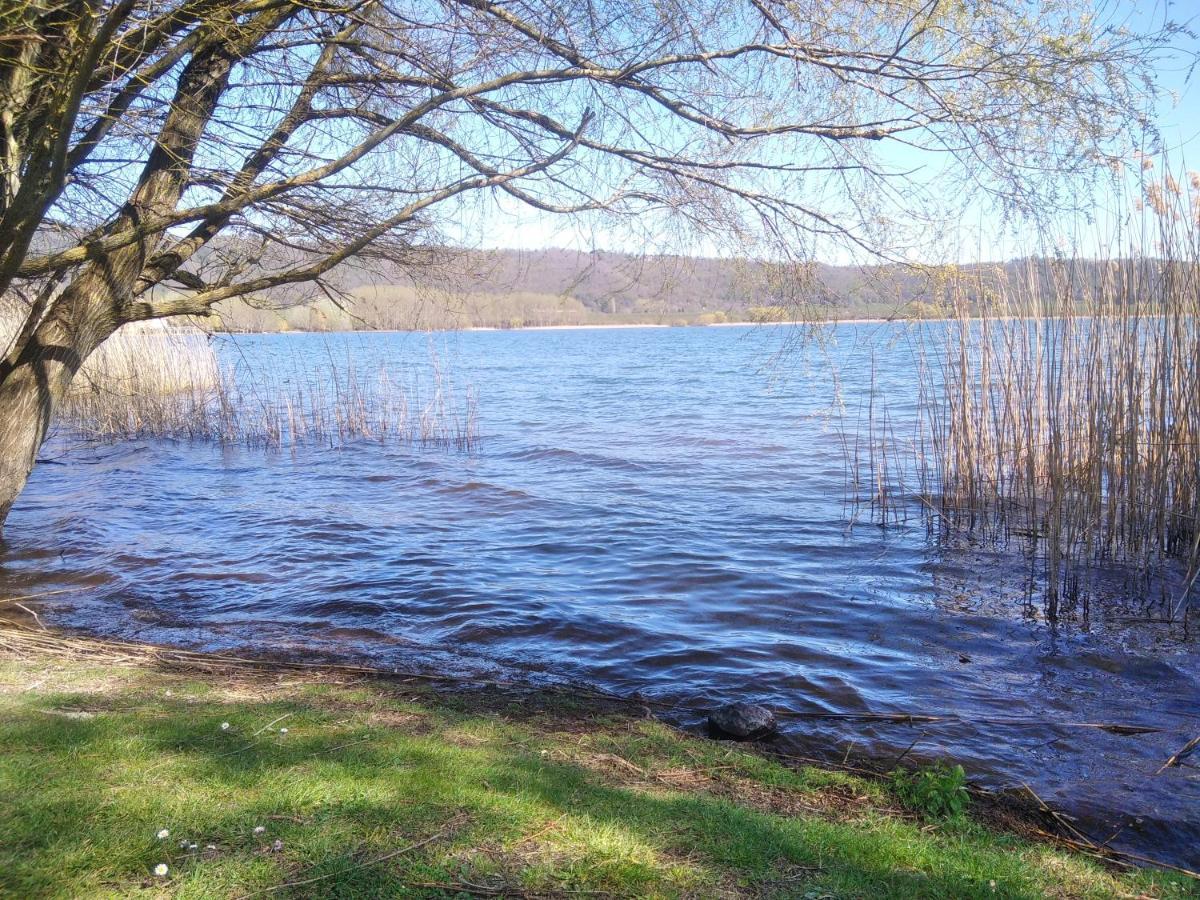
point(283, 731)
point(163, 834)
point(161, 870)
point(259, 829)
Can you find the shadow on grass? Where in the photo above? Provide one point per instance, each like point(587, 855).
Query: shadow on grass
point(90, 778)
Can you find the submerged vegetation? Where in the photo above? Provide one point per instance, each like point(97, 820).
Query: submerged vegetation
point(1063, 418)
point(124, 773)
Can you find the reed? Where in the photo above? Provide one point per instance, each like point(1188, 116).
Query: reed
point(878, 460)
point(153, 380)
point(142, 381)
point(1058, 410)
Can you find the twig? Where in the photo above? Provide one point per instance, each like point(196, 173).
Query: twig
point(549, 826)
point(465, 887)
point(482, 890)
point(1181, 755)
point(1061, 820)
point(907, 749)
point(1120, 857)
point(272, 722)
point(453, 823)
point(37, 596)
point(30, 611)
point(623, 763)
point(344, 746)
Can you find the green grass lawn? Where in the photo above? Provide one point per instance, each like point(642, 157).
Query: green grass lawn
point(386, 788)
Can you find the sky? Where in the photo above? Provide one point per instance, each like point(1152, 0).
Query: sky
point(981, 234)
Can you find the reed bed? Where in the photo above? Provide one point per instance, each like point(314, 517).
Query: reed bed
point(142, 381)
point(293, 403)
point(153, 380)
point(1059, 409)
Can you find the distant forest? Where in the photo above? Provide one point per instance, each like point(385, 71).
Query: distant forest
point(521, 289)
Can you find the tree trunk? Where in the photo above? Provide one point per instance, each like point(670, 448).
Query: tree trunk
point(34, 381)
point(40, 376)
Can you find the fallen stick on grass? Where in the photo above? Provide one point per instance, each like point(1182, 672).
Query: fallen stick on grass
point(451, 825)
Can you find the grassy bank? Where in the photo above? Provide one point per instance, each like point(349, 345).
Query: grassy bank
point(392, 787)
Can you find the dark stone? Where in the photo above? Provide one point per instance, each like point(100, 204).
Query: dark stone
point(744, 721)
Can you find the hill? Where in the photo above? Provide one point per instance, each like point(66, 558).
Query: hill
point(517, 289)
point(513, 289)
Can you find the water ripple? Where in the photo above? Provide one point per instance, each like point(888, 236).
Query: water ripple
point(648, 512)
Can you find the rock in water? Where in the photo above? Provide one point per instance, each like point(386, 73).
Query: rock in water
point(744, 721)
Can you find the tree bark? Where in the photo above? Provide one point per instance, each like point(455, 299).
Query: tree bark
point(37, 375)
point(40, 376)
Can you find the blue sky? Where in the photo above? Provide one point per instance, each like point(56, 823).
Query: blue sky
point(980, 234)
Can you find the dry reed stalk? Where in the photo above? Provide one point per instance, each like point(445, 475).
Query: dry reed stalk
point(158, 381)
point(1057, 406)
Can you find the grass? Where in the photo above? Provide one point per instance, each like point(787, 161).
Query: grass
point(388, 787)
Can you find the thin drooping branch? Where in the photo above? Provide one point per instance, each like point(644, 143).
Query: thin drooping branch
point(160, 156)
point(199, 303)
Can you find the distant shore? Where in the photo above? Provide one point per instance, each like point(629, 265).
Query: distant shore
point(588, 327)
point(671, 325)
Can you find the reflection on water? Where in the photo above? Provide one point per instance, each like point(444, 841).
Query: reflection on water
point(648, 510)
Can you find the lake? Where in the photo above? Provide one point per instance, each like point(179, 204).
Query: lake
point(652, 510)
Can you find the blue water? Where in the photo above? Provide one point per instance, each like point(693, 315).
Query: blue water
point(647, 510)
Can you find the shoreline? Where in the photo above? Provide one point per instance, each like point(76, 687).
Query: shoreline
point(34, 660)
point(791, 324)
point(597, 327)
point(870, 320)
